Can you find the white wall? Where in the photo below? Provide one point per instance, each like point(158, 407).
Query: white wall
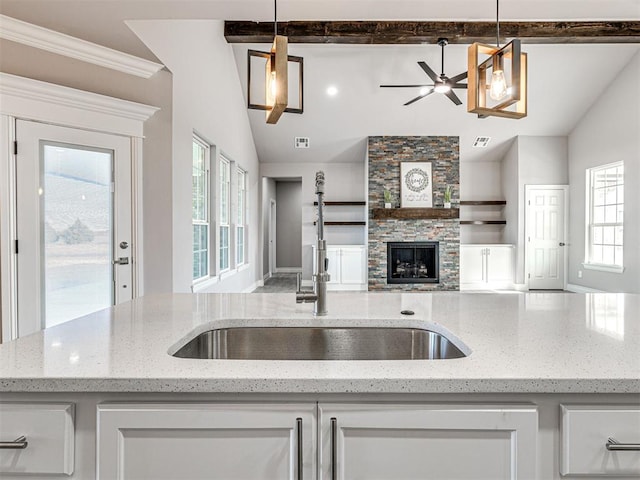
point(529, 161)
point(289, 224)
point(343, 182)
point(609, 132)
point(481, 181)
point(207, 99)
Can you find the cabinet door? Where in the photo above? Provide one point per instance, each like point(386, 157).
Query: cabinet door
point(440, 442)
point(472, 264)
point(206, 441)
point(499, 264)
point(352, 265)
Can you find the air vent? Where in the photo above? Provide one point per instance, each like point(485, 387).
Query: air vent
point(481, 142)
point(301, 142)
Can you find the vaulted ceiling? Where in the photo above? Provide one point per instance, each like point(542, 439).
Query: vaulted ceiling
point(564, 79)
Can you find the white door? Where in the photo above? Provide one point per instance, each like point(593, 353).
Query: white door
point(206, 441)
point(545, 218)
point(417, 442)
point(272, 238)
point(73, 223)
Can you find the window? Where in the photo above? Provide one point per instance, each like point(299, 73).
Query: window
point(225, 209)
point(605, 201)
point(241, 220)
point(200, 208)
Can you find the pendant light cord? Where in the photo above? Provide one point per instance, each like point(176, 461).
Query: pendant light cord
point(275, 18)
point(498, 23)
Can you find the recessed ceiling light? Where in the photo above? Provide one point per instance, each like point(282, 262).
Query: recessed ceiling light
point(332, 91)
point(481, 142)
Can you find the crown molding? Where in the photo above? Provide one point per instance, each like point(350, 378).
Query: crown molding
point(62, 44)
point(47, 102)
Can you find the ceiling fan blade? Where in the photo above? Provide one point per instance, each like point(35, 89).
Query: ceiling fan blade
point(457, 78)
point(418, 98)
point(432, 75)
point(459, 85)
point(453, 97)
point(405, 86)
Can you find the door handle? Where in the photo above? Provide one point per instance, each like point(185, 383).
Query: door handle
point(121, 261)
point(561, 244)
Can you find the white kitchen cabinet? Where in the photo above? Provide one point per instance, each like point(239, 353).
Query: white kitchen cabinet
point(48, 432)
point(413, 441)
point(486, 266)
point(206, 441)
point(347, 267)
point(586, 430)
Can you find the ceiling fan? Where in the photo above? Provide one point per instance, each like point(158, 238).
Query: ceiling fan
point(441, 83)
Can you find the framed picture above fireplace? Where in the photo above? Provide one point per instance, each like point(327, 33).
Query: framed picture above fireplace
point(416, 184)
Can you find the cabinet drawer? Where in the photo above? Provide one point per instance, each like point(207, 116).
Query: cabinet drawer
point(585, 430)
point(49, 432)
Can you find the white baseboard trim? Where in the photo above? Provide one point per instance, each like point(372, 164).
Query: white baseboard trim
point(266, 277)
point(521, 287)
point(289, 270)
point(580, 289)
point(253, 286)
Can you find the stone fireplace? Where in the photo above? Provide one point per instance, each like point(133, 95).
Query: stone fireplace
point(437, 225)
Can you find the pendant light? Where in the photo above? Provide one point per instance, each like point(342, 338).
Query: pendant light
point(276, 76)
point(505, 95)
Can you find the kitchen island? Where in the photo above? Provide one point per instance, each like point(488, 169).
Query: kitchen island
point(537, 364)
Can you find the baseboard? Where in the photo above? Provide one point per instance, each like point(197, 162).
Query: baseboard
point(252, 287)
point(289, 270)
point(266, 276)
point(580, 289)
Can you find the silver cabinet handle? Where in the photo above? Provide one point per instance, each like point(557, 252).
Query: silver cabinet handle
point(614, 445)
point(299, 435)
point(20, 442)
point(334, 449)
point(561, 244)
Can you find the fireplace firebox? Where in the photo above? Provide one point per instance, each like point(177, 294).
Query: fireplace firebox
point(413, 262)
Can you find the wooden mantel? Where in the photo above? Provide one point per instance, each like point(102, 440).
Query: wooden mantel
point(413, 32)
point(415, 213)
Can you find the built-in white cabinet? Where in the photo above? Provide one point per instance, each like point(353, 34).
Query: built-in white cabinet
point(206, 441)
point(36, 438)
point(483, 266)
point(347, 267)
point(412, 441)
point(601, 440)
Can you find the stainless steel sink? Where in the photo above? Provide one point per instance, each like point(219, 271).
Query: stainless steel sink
point(312, 343)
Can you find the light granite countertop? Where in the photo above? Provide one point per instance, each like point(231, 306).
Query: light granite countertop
point(531, 343)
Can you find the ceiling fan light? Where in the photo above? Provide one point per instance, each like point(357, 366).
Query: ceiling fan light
point(425, 90)
point(442, 88)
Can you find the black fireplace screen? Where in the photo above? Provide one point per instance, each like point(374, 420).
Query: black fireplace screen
point(413, 262)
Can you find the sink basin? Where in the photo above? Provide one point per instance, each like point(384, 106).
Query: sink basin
point(312, 343)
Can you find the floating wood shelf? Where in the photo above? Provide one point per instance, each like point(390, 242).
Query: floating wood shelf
point(482, 202)
point(342, 223)
point(416, 213)
point(329, 204)
point(483, 222)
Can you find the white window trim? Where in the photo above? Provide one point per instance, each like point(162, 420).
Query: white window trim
point(224, 159)
point(601, 267)
point(210, 271)
point(244, 224)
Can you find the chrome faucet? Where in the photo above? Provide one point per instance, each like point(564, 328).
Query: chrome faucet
point(320, 277)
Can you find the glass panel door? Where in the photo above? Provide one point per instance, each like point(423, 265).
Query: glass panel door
point(73, 204)
point(77, 234)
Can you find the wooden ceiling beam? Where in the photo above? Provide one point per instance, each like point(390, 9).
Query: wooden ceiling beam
point(407, 32)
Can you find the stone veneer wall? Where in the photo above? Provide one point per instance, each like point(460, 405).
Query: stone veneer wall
point(385, 155)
